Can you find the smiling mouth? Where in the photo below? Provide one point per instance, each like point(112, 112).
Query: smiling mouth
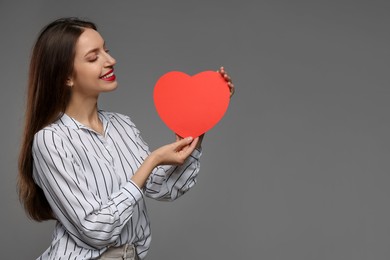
point(109, 76)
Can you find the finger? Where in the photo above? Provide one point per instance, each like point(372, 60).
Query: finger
point(227, 78)
point(195, 142)
point(178, 137)
point(191, 147)
point(231, 88)
point(179, 145)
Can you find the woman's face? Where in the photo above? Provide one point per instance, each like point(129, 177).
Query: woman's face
point(93, 67)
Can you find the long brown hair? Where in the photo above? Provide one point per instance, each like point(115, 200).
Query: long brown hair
point(47, 97)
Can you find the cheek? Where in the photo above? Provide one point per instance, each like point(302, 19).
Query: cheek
point(87, 74)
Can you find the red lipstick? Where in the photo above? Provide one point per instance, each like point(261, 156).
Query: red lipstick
point(109, 76)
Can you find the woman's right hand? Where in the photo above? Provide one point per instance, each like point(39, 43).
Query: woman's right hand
point(171, 154)
point(175, 153)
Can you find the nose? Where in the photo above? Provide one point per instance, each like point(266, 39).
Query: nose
point(110, 61)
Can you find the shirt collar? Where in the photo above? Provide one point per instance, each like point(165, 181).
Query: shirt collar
point(74, 124)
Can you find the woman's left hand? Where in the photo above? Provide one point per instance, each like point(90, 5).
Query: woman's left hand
point(228, 79)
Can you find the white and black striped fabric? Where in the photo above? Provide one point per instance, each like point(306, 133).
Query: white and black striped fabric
point(86, 179)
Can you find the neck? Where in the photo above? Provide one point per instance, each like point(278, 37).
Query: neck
point(85, 111)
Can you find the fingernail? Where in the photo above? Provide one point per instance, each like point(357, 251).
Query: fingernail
point(189, 138)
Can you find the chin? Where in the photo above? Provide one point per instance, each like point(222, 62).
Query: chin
point(110, 88)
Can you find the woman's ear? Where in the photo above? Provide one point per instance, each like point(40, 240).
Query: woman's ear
point(69, 82)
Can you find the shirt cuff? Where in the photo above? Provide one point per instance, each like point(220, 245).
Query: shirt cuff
point(196, 153)
point(132, 191)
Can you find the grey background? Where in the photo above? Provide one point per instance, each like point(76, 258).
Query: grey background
point(299, 166)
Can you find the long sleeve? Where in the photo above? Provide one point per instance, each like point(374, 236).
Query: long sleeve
point(89, 220)
point(169, 182)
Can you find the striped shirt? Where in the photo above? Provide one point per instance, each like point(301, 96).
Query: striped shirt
point(86, 178)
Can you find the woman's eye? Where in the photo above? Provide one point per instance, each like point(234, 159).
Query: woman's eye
point(93, 58)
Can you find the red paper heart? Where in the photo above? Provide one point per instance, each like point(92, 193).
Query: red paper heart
point(190, 106)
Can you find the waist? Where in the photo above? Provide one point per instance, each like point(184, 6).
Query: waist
point(123, 252)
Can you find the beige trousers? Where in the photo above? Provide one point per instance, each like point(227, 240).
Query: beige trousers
point(126, 252)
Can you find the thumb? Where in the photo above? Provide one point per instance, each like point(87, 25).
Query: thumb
point(183, 142)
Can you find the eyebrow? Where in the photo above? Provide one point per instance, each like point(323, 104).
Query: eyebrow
point(95, 49)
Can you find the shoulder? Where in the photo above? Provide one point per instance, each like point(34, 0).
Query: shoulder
point(52, 134)
point(45, 132)
point(45, 140)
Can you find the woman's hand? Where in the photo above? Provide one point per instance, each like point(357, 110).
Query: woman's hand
point(175, 153)
point(171, 154)
point(178, 138)
point(228, 80)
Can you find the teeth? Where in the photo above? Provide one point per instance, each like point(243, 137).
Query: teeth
point(108, 75)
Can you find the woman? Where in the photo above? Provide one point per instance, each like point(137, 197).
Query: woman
point(86, 168)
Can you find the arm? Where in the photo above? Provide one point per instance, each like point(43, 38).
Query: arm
point(174, 154)
point(91, 222)
point(169, 179)
point(170, 182)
